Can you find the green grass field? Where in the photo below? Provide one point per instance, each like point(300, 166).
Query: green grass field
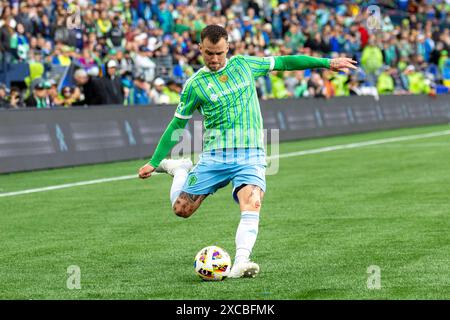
point(325, 219)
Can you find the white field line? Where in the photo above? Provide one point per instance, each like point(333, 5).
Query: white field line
point(361, 144)
point(284, 155)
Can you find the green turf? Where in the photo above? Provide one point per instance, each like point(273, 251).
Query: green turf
point(326, 218)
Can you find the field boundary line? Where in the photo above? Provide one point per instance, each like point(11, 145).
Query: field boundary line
point(362, 144)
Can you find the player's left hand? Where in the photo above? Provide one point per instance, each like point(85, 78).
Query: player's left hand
point(146, 171)
point(343, 64)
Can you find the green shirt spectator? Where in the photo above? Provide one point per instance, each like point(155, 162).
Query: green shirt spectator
point(301, 89)
point(104, 24)
point(416, 81)
point(385, 83)
point(180, 27)
point(198, 27)
point(174, 97)
point(371, 59)
point(278, 87)
point(339, 82)
point(166, 19)
point(296, 38)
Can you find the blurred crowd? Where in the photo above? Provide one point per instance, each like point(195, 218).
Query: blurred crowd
point(136, 52)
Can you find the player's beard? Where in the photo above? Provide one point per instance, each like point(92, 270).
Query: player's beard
point(215, 67)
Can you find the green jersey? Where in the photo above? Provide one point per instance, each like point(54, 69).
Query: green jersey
point(228, 101)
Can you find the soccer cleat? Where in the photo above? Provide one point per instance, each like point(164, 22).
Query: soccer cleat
point(169, 166)
point(247, 269)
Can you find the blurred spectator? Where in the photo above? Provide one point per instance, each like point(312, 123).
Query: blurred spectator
point(291, 80)
point(363, 34)
point(357, 87)
point(173, 91)
point(444, 61)
point(144, 64)
point(164, 61)
point(316, 87)
point(104, 24)
point(10, 98)
point(61, 33)
point(301, 87)
point(372, 60)
point(390, 52)
point(39, 97)
point(354, 86)
point(417, 84)
point(339, 82)
point(295, 38)
point(157, 93)
point(165, 17)
point(329, 86)
point(316, 43)
point(125, 63)
point(116, 36)
point(67, 97)
point(139, 93)
point(53, 92)
point(21, 43)
point(351, 46)
point(4, 103)
point(62, 56)
point(6, 33)
point(159, 39)
point(15, 98)
point(112, 89)
point(278, 87)
point(385, 83)
point(87, 88)
point(86, 60)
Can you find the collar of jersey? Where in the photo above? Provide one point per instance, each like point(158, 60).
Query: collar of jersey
point(221, 69)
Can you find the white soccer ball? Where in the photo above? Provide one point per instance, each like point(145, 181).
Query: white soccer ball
point(212, 263)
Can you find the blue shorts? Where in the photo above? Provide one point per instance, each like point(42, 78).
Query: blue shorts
point(217, 168)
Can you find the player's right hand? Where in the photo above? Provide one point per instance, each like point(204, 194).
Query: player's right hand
point(343, 64)
point(146, 171)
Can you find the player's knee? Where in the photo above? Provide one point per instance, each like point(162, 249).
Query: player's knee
point(256, 204)
point(253, 203)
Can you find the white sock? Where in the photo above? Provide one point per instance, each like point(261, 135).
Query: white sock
point(179, 178)
point(246, 234)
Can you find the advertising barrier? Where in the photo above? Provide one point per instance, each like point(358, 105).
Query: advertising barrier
point(48, 138)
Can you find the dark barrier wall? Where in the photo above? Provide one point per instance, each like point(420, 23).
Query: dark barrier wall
point(36, 139)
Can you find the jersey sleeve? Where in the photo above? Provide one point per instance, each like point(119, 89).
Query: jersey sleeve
point(189, 101)
point(260, 66)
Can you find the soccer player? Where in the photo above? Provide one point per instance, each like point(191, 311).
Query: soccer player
point(233, 146)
